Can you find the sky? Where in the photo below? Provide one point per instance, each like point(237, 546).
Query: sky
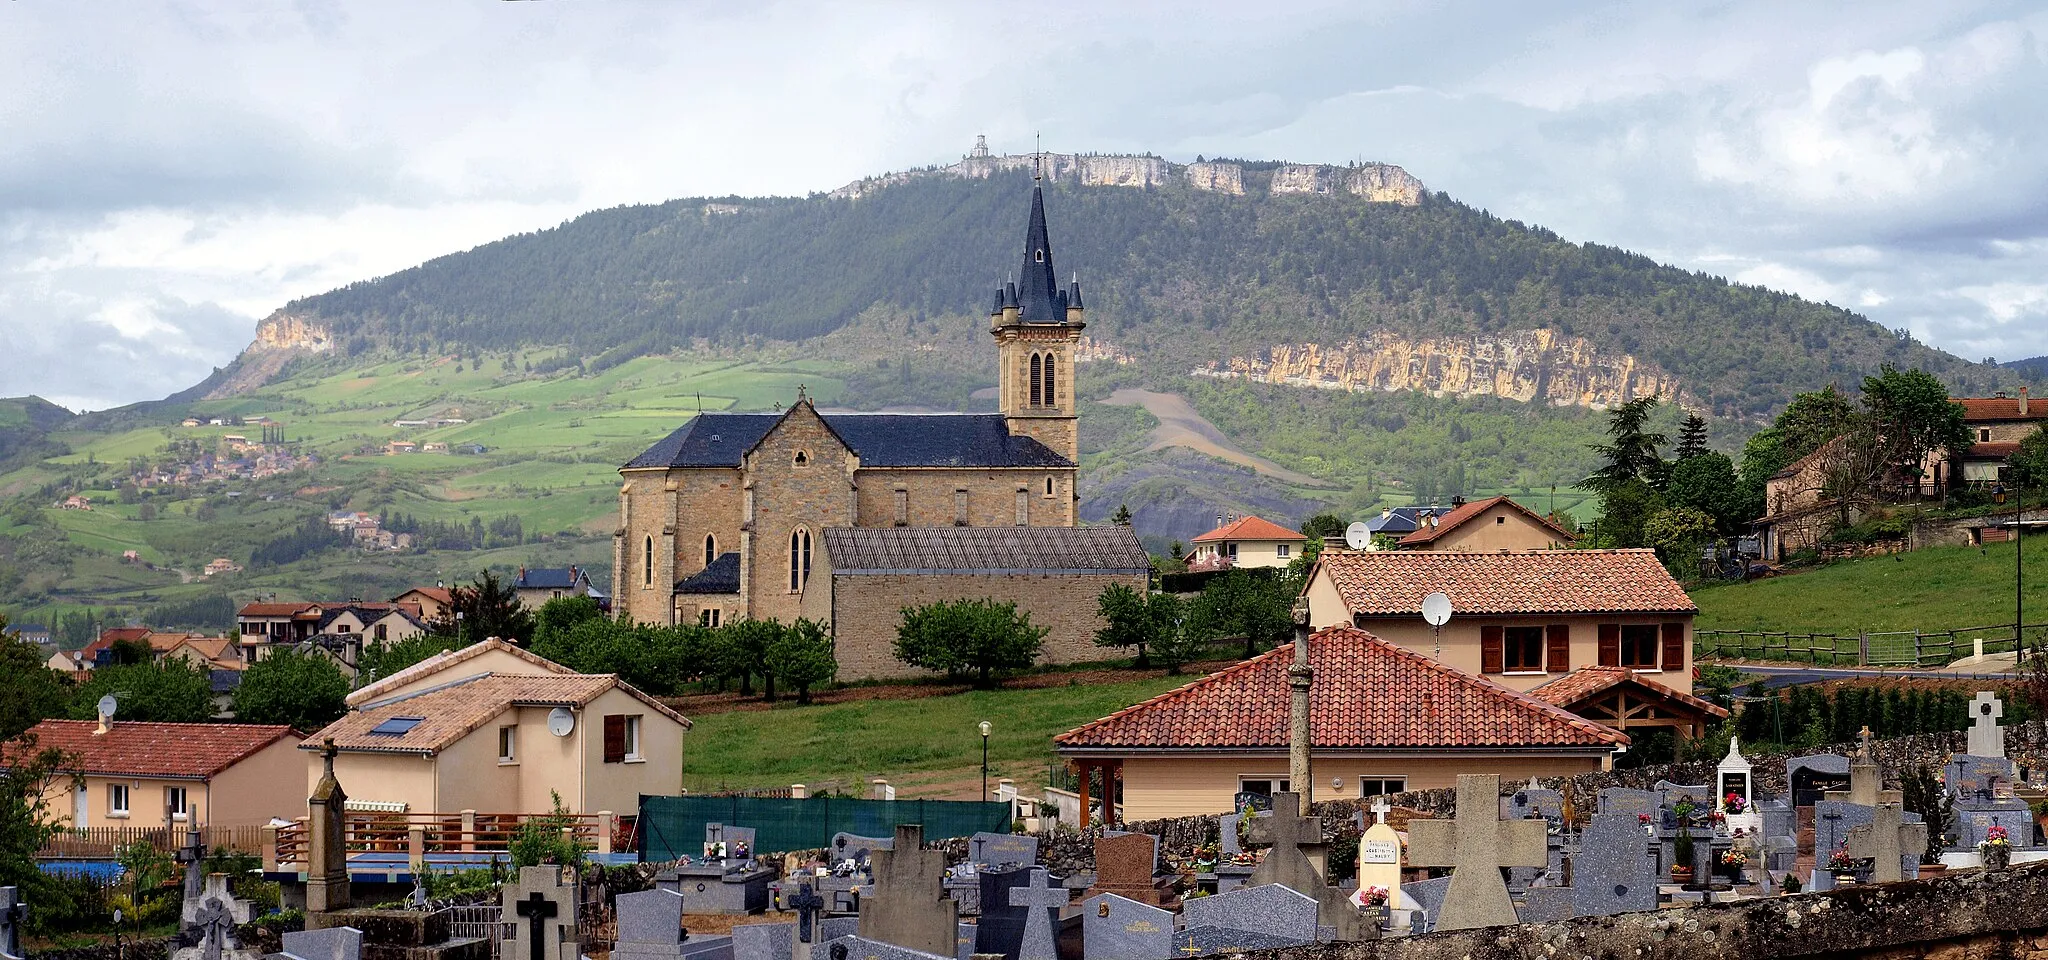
point(172, 172)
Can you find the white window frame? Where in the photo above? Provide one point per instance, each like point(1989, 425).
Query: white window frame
point(1275, 782)
point(508, 745)
point(633, 739)
point(117, 801)
point(180, 805)
point(1281, 550)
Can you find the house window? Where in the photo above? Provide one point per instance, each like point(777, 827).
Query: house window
point(379, 632)
point(960, 508)
point(710, 549)
point(1037, 381)
point(508, 744)
point(708, 617)
point(1983, 434)
point(903, 508)
point(1639, 646)
point(1023, 508)
point(622, 738)
point(1500, 520)
point(1381, 786)
point(1052, 389)
point(1264, 786)
point(1522, 649)
point(647, 563)
point(341, 628)
point(1281, 551)
point(1230, 550)
point(799, 559)
point(174, 801)
point(117, 800)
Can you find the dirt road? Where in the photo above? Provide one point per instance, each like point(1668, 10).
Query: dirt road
point(1181, 426)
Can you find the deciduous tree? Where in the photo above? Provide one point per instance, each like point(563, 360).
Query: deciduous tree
point(29, 691)
point(1240, 603)
point(303, 692)
point(169, 692)
point(802, 657)
point(960, 637)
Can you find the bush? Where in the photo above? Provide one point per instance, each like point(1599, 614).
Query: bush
point(542, 840)
point(960, 637)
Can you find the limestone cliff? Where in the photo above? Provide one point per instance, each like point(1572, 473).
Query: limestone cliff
point(1377, 182)
point(1217, 177)
point(280, 338)
point(1529, 365)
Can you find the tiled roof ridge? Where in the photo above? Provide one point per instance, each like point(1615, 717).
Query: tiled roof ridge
point(1567, 691)
point(267, 734)
point(1461, 515)
point(1484, 685)
point(1250, 527)
point(445, 659)
point(1217, 677)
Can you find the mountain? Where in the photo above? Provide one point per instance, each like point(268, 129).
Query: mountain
point(1346, 278)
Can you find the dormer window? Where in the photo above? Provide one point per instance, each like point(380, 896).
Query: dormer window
point(1038, 255)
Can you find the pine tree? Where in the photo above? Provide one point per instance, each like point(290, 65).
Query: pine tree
point(1692, 437)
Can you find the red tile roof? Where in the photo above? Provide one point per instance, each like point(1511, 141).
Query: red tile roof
point(278, 609)
point(1251, 528)
point(449, 658)
point(439, 595)
point(177, 750)
point(447, 714)
point(1991, 409)
point(1450, 521)
point(1388, 583)
point(1992, 450)
point(1367, 694)
point(1574, 687)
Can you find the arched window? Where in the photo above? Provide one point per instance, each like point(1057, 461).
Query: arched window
point(1037, 384)
point(1051, 382)
point(710, 548)
point(1048, 486)
point(647, 563)
point(799, 558)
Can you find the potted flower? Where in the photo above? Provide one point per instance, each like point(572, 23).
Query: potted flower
point(1681, 845)
point(1842, 865)
point(1205, 858)
point(1373, 899)
point(1734, 803)
point(1732, 862)
point(1996, 849)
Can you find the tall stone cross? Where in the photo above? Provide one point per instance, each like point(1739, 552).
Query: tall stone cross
point(807, 904)
point(1288, 865)
point(1987, 738)
point(1885, 841)
point(1863, 737)
point(541, 908)
point(1476, 846)
point(1041, 901)
point(538, 910)
point(326, 840)
point(1866, 785)
point(13, 913)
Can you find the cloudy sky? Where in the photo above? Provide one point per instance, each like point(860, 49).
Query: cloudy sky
point(171, 172)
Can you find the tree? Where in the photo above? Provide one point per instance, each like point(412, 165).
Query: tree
point(1677, 534)
point(1692, 438)
point(1323, 526)
point(1707, 483)
point(1126, 621)
point(1812, 419)
point(300, 691)
point(485, 609)
point(1630, 452)
point(963, 636)
point(802, 657)
point(1240, 603)
point(747, 650)
point(1911, 413)
point(383, 658)
point(1763, 455)
point(169, 692)
point(2030, 461)
point(1179, 636)
point(560, 614)
point(1122, 516)
point(29, 691)
point(29, 777)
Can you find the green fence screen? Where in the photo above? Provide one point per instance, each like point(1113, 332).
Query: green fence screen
point(672, 827)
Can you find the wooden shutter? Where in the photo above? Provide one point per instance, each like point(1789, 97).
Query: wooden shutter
point(1610, 644)
point(1490, 659)
point(1674, 646)
point(1558, 658)
point(615, 738)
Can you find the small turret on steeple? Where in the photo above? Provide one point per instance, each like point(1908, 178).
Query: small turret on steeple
point(1074, 301)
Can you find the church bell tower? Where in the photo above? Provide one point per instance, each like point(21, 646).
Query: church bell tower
point(1036, 326)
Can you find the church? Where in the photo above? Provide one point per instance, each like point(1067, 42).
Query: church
point(846, 518)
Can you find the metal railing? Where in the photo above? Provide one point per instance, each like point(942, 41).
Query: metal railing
point(1897, 648)
point(419, 834)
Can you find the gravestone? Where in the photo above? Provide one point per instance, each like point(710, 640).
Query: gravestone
point(809, 909)
point(1534, 801)
point(1379, 856)
point(1000, 929)
point(1002, 851)
point(1548, 904)
point(192, 856)
point(1288, 865)
point(1211, 941)
point(1271, 909)
point(1832, 821)
point(733, 887)
point(837, 928)
point(1428, 896)
point(650, 925)
point(861, 948)
point(908, 907)
point(1987, 738)
point(1475, 846)
point(1866, 784)
point(722, 842)
point(1889, 843)
point(1811, 777)
point(1119, 928)
point(326, 832)
point(1629, 801)
point(13, 914)
point(333, 943)
point(1124, 865)
point(1042, 905)
point(1612, 872)
point(542, 913)
point(764, 941)
point(963, 941)
point(216, 925)
point(859, 849)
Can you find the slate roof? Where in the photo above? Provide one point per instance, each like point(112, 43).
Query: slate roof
point(1367, 694)
point(1393, 582)
point(1252, 528)
point(188, 751)
point(880, 439)
point(720, 576)
point(1400, 521)
point(549, 578)
point(1106, 549)
point(1039, 299)
point(1450, 521)
point(449, 713)
point(1992, 409)
point(1574, 687)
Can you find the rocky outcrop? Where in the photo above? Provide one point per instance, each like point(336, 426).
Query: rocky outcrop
point(1378, 182)
point(280, 338)
point(1217, 178)
point(1530, 365)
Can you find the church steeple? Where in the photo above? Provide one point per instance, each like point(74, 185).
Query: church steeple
point(1039, 299)
point(1037, 326)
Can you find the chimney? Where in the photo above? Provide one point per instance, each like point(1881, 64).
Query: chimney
point(106, 725)
point(2023, 401)
point(1457, 501)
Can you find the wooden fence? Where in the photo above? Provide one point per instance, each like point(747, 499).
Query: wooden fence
point(416, 834)
point(104, 842)
point(1903, 648)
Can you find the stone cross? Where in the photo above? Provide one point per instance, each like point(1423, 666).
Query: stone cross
point(1038, 941)
point(909, 907)
point(13, 913)
point(193, 856)
point(326, 840)
point(1380, 809)
point(540, 908)
point(1885, 841)
point(1475, 846)
point(807, 905)
point(1863, 737)
point(537, 909)
point(214, 921)
point(1987, 738)
point(1866, 786)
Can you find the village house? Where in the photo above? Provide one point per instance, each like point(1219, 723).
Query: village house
point(1495, 524)
point(1798, 508)
point(1518, 619)
point(1383, 719)
point(1245, 542)
point(1393, 523)
point(401, 446)
point(493, 727)
point(99, 651)
point(1630, 701)
point(538, 585)
point(76, 502)
point(1996, 424)
point(433, 602)
point(197, 650)
point(220, 565)
point(337, 631)
point(154, 774)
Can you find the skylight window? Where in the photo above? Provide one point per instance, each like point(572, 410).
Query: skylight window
point(396, 726)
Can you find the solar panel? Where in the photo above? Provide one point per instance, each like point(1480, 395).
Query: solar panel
point(396, 726)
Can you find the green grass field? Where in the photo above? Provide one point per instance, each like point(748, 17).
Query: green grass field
point(1944, 588)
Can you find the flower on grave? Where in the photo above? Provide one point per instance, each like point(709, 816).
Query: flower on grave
point(1840, 861)
point(1372, 896)
point(1717, 817)
point(1734, 803)
point(1734, 858)
point(1642, 818)
point(1996, 838)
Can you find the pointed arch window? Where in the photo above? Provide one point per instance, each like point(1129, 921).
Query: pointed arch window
point(1051, 382)
point(710, 548)
point(647, 563)
point(1037, 381)
point(799, 558)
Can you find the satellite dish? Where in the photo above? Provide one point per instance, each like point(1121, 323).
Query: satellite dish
point(1357, 537)
point(1436, 609)
point(107, 705)
point(561, 721)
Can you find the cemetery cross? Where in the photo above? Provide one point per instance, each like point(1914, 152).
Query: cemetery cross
point(537, 909)
point(807, 904)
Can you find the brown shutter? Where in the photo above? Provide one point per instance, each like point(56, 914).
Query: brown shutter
point(1558, 659)
point(1674, 646)
point(1490, 660)
point(615, 738)
point(1610, 644)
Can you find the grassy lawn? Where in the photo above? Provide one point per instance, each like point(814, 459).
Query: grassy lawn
point(1944, 588)
point(934, 735)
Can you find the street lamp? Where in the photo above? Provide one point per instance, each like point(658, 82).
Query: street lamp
point(984, 759)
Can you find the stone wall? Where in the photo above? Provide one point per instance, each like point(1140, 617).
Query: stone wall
point(867, 608)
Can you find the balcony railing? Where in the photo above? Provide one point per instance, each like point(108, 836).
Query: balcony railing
point(416, 835)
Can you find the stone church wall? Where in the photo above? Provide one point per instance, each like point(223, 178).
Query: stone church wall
point(815, 495)
point(991, 497)
point(867, 609)
point(709, 501)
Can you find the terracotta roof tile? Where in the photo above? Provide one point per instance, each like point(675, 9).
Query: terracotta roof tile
point(134, 748)
point(1450, 521)
point(447, 714)
point(1367, 693)
point(1991, 450)
point(442, 661)
point(1252, 528)
point(1393, 582)
point(1576, 686)
point(1986, 409)
point(437, 594)
point(277, 609)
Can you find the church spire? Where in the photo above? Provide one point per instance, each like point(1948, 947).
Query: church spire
point(1039, 299)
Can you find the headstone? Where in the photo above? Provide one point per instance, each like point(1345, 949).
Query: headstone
point(1002, 851)
point(859, 849)
point(764, 941)
point(542, 913)
point(1987, 738)
point(1888, 843)
point(1832, 821)
point(720, 886)
point(1428, 896)
point(837, 928)
point(1978, 779)
point(1379, 856)
point(1042, 905)
point(908, 907)
point(1475, 846)
point(326, 831)
point(1210, 941)
point(1000, 929)
point(809, 907)
point(192, 855)
point(1631, 802)
point(1866, 785)
point(963, 941)
point(1119, 928)
point(1124, 865)
point(1534, 801)
point(1612, 872)
point(333, 943)
point(1288, 864)
point(650, 924)
point(13, 914)
point(1811, 777)
point(861, 948)
point(216, 926)
point(1270, 909)
point(1548, 904)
